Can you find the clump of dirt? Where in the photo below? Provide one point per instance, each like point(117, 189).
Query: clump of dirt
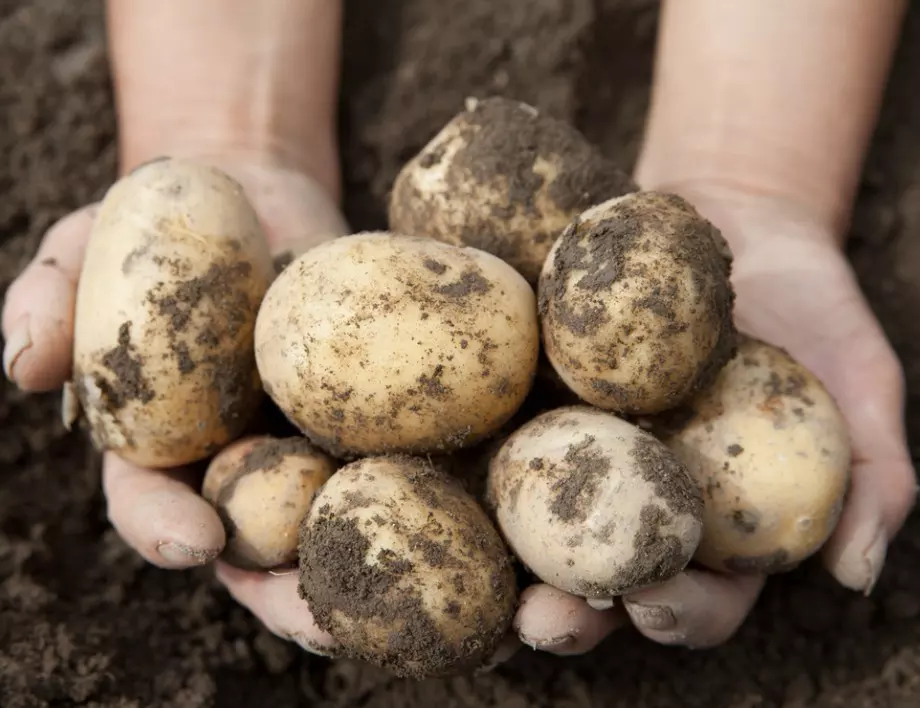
point(86, 622)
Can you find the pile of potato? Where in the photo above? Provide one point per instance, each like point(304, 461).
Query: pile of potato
point(423, 366)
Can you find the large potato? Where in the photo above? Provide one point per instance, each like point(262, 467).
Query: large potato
point(376, 343)
point(504, 178)
point(771, 450)
point(262, 487)
point(403, 568)
point(594, 505)
point(636, 303)
point(176, 267)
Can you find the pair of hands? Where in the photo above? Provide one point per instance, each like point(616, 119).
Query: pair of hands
point(795, 290)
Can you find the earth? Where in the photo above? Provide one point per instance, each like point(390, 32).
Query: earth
point(84, 621)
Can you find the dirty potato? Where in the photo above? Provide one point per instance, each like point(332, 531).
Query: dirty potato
point(636, 304)
point(403, 568)
point(377, 343)
point(593, 505)
point(771, 451)
point(175, 269)
point(504, 178)
point(262, 488)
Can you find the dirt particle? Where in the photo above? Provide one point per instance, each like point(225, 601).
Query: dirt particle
point(744, 521)
point(127, 382)
point(577, 484)
point(471, 282)
point(435, 266)
point(734, 450)
point(673, 484)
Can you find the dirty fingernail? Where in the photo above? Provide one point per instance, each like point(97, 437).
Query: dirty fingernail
point(601, 603)
point(18, 341)
point(860, 564)
point(551, 644)
point(182, 555)
point(312, 647)
point(874, 559)
point(655, 617)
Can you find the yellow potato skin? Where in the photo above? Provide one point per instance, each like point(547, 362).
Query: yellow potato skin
point(175, 269)
point(771, 450)
point(262, 487)
point(379, 343)
point(505, 178)
point(404, 569)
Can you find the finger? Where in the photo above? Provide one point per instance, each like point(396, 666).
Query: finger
point(697, 609)
point(39, 308)
point(559, 623)
point(274, 600)
point(160, 515)
point(507, 648)
point(883, 487)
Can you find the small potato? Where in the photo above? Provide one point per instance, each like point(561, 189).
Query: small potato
point(504, 178)
point(378, 343)
point(403, 568)
point(176, 267)
point(593, 505)
point(263, 487)
point(771, 450)
point(636, 304)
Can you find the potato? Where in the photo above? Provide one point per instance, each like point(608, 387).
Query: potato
point(403, 568)
point(503, 178)
point(262, 488)
point(594, 505)
point(377, 343)
point(175, 269)
point(771, 450)
point(636, 304)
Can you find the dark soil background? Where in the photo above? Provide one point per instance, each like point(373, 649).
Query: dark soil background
point(84, 622)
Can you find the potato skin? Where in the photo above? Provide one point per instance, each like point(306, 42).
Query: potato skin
point(262, 488)
point(404, 569)
point(377, 343)
point(504, 178)
point(636, 304)
point(175, 269)
point(594, 505)
point(771, 450)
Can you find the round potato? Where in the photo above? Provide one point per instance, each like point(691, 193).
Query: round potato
point(262, 488)
point(378, 343)
point(403, 568)
point(175, 269)
point(636, 304)
point(504, 178)
point(594, 505)
point(771, 451)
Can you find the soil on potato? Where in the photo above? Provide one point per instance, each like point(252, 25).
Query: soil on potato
point(83, 621)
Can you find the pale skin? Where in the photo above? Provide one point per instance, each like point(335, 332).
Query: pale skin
point(761, 115)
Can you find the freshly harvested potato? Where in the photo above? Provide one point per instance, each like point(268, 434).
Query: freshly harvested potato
point(504, 178)
point(378, 343)
point(594, 505)
point(771, 450)
point(262, 488)
point(175, 269)
point(404, 569)
point(636, 304)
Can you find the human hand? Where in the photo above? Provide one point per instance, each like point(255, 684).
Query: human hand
point(160, 513)
point(794, 290)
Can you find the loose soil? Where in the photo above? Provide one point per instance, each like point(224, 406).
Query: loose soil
point(83, 621)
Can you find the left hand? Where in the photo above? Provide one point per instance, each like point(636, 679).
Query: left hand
point(795, 290)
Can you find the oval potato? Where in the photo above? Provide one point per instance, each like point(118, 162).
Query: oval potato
point(636, 303)
point(404, 569)
point(594, 505)
point(262, 488)
point(505, 178)
point(771, 451)
point(175, 269)
point(378, 343)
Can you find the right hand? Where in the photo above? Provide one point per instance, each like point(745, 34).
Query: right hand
point(161, 514)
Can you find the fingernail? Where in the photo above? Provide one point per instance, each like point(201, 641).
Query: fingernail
point(656, 617)
point(182, 555)
point(552, 644)
point(508, 647)
point(312, 647)
point(604, 603)
point(18, 341)
point(859, 566)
